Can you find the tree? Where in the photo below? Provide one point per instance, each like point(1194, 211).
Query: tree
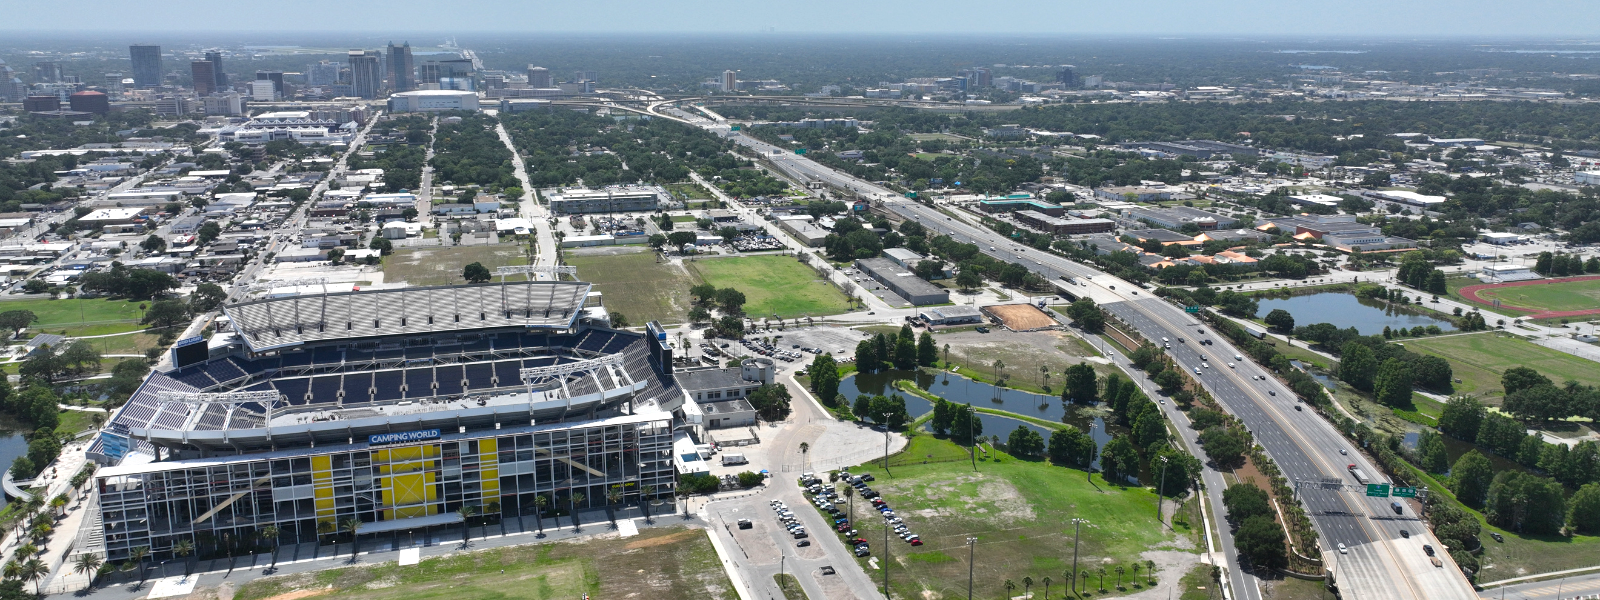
point(208, 232)
point(1516, 379)
point(1392, 386)
point(382, 245)
point(86, 564)
point(824, 373)
point(731, 301)
point(166, 313)
point(1080, 386)
point(1280, 320)
point(1070, 447)
point(867, 360)
point(1537, 403)
point(905, 349)
point(771, 401)
point(80, 353)
point(207, 297)
point(703, 293)
point(1260, 538)
point(35, 286)
point(35, 570)
point(1470, 478)
point(1225, 446)
point(409, 213)
point(476, 273)
point(1119, 460)
point(1461, 417)
point(1087, 315)
point(1025, 442)
point(1526, 503)
point(17, 320)
point(618, 320)
point(1585, 513)
point(968, 279)
point(270, 534)
point(1245, 500)
point(927, 350)
point(336, 255)
point(182, 549)
point(136, 557)
point(1358, 366)
point(699, 314)
point(1430, 446)
point(154, 244)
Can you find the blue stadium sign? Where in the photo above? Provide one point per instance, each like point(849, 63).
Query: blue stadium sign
point(402, 437)
point(188, 341)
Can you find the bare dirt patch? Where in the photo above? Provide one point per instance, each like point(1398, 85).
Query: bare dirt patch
point(1021, 317)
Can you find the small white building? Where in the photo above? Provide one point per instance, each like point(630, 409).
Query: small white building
point(1506, 274)
point(1500, 238)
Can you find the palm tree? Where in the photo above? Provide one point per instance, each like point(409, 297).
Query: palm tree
point(804, 448)
point(1044, 370)
point(326, 527)
point(947, 357)
point(573, 500)
point(352, 526)
point(87, 562)
point(850, 493)
point(466, 511)
point(1150, 571)
point(613, 496)
point(539, 502)
point(270, 534)
point(1027, 584)
point(646, 494)
point(59, 502)
point(1009, 586)
point(136, 558)
point(1046, 582)
point(12, 570)
point(1102, 572)
point(34, 570)
point(27, 550)
point(1136, 568)
point(1120, 571)
point(184, 548)
point(492, 508)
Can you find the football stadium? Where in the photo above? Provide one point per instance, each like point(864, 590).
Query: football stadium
point(394, 407)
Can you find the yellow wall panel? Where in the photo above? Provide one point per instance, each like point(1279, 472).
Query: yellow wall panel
point(322, 463)
point(411, 489)
point(487, 447)
point(324, 504)
point(489, 475)
point(323, 492)
point(380, 456)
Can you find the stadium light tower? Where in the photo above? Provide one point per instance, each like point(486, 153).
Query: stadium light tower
point(541, 376)
point(232, 400)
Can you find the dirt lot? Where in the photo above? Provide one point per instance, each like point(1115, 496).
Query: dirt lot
point(1021, 317)
point(1023, 354)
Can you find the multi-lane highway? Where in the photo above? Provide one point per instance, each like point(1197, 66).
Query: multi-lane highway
point(1376, 561)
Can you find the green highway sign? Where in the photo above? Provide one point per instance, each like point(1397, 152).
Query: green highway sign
point(1405, 492)
point(912, 195)
point(735, 127)
point(1191, 309)
point(1378, 490)
point(799, 150)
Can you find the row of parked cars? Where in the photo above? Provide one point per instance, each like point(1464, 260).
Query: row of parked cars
point(768, 349)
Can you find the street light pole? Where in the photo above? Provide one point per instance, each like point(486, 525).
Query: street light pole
point(1161, 490)
point(1076, 524)
point(972, 543)
point(886, 445)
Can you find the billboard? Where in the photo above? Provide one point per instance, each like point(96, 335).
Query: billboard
point(189, 351)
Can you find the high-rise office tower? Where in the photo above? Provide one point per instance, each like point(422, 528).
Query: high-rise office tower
point(322, 73)
point(276, 77)
point(401, 67)
point(730, 81)
point(366, 73)
point(205, 77)
point(215, 58)
point(1067, 76)
point(146, 65)
point(539, 77)
point(584, 76)
point(46, 72)
point(428, 72)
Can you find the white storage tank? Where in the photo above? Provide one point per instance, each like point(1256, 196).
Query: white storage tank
point(758, 369)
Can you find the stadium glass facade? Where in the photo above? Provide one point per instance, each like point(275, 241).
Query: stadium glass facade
point(395, 487)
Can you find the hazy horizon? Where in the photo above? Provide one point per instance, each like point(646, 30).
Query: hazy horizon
point(1358, 19)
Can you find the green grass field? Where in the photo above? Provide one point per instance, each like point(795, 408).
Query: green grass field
point(1020, 511)
point(667, 563)
point(74, 317)
point(442, 266)
point(772, 285)
point(691, 190)
point(1563, 296)
point(635, 285)
point(1478, 360)
point(923, 137)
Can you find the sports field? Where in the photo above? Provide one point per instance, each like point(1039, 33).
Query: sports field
point(772, 285)
point(1478, 359)
point(76, 317)
point(1547, 299)
point(1021, 513)
point(634, 284)
point(667, 563)
point(442, 266)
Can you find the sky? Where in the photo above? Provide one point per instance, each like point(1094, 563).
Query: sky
point(1323, 19)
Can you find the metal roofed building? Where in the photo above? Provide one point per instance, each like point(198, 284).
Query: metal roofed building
point(1174, 217)
point(951, 315)
point(902, 282)
point(617, 199)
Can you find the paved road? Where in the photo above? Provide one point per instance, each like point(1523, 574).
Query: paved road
point(545, 253)
point(1569, 588)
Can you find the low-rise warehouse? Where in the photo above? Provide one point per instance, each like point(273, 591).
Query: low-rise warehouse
point(903, 282)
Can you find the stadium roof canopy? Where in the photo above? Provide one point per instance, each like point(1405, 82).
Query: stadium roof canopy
point(282, 322)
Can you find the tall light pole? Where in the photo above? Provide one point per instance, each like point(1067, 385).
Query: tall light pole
point(972, 543)
point(886, 451)
point(1076, 524)
point(972, 442)
point(1161, 490)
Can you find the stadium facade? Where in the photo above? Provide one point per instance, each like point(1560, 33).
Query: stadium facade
point(396, 408)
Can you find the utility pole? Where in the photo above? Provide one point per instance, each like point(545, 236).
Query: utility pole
point(1076, 524)
point(886, 450)
point(1161, 490)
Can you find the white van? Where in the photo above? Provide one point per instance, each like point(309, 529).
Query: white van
point(1238, 357)
point(733, 458)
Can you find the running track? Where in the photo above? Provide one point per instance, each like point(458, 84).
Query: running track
point(1471, 293)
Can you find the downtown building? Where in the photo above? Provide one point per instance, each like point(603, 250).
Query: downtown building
point(396, 408)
